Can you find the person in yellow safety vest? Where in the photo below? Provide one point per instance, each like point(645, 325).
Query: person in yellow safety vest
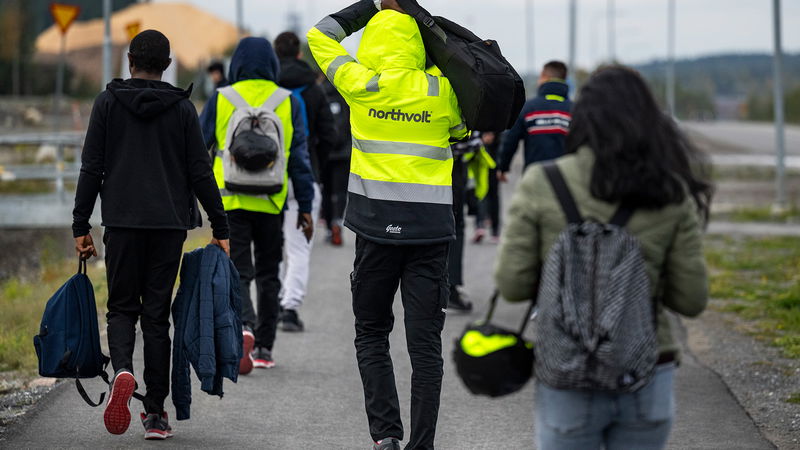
point(258, 219)
point(399, 204)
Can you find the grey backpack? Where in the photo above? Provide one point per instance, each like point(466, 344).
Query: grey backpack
point(255, 160)
point(596, 325)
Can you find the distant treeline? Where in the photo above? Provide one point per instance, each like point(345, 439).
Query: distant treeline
point(747, 78)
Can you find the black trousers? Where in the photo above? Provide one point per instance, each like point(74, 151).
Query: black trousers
point(334, 191)
point(421, 273)
point(489, 207)
point(141, 267)
point(456, 256)
point(264, 234)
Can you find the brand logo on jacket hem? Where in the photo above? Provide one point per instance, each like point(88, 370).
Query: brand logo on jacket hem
point(394, 229)
point(400, 116)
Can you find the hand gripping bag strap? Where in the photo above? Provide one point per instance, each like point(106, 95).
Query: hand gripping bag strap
point(562, 193)
point(233, 96)
point(275, 100)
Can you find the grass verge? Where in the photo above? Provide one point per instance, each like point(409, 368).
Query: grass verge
point(759, 280)
point(22, 302)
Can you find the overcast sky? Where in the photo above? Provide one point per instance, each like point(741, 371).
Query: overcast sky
point(703, 26)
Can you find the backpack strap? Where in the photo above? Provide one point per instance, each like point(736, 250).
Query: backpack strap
point(277, 97)
point(622, 216)
point(422, 16)
point(104, 377)
point(562, 193)
point(233, 96)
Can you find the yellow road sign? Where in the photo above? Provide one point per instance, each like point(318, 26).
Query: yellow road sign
point(133, 29)
point(64, 14)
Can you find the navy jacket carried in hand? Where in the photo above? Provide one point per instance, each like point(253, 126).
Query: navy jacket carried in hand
point(208, 328)
point(543, 122)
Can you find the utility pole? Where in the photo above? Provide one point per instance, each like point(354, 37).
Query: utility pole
point(780, 143)
point(239, 19)
point(671, 57)
point(572, 38)
point(612, 32)
point(529, 40)
point(106, 44)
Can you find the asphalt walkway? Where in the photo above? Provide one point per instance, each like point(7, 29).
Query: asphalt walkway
point(313, 398)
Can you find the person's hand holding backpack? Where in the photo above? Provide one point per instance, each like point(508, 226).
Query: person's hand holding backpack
point(84, 245)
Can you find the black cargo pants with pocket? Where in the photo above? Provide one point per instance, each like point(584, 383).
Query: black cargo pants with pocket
point(421, 273)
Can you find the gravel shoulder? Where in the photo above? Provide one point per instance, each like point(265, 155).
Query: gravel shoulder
point(756, 373)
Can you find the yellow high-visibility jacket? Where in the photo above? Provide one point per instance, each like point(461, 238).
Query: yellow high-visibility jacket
point(402, 120)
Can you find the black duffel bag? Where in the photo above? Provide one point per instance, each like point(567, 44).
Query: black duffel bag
point(492, 360)
point(489, 90)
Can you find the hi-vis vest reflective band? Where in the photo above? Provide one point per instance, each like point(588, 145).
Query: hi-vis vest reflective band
point(254, 92)
point(402, 119)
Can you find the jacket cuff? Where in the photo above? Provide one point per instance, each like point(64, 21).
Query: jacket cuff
point(304, 206)
point(80, 229)
point(181, 411)
point(221, 234)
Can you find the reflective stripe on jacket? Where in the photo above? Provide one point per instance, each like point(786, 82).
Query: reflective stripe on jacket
point(255, 92)
point(402, 120)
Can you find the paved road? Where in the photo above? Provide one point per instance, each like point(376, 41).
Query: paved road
point(313, 399)
point(750, 137)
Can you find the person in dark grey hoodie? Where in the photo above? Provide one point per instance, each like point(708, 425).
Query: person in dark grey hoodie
point(144, 155)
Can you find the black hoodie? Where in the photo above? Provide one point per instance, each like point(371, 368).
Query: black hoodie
point(322, 133)
point(144, 154)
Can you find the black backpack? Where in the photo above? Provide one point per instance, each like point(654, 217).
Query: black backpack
point(492, 360)
point(489, 90)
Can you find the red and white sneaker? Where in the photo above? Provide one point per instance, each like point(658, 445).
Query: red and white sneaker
point(262, 358)
point(117, 415)
point(248, 342)
point(156, 426)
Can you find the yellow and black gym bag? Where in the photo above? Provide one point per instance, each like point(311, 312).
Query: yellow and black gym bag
point(492, 360)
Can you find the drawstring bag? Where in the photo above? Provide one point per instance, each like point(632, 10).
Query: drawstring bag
point(492, 360)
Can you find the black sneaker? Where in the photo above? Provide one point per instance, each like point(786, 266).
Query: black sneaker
point(457, 301)
point(262, 358)
point(290, 321)
point(156, 426)
point(387, 444)
point(117, 415)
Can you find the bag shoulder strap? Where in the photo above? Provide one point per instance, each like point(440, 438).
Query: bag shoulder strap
point(277, 97)
point(423, 17)
point(233, 96)
point(562, 193)
point(622, 216)
point(525, 319)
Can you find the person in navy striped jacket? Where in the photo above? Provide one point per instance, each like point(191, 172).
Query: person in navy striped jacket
point(543, 122)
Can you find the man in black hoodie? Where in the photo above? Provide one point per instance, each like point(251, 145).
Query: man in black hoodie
point(297, 76)
point(144, 154)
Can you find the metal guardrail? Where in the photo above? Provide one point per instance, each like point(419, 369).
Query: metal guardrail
point(58, 172)
point(64, 138)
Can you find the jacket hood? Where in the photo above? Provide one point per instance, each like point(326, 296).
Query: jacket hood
point(254, 59)
point(146, 98)
point(555, 88)
point(296, 73)
point(392, 40)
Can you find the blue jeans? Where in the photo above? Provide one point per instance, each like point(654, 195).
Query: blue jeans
point(585, 420)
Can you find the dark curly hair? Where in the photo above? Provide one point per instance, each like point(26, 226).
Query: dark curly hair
point(642, 157)
point(149, 52)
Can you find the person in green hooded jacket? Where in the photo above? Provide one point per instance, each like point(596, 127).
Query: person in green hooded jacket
point(399, 204)
point(621, 149)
